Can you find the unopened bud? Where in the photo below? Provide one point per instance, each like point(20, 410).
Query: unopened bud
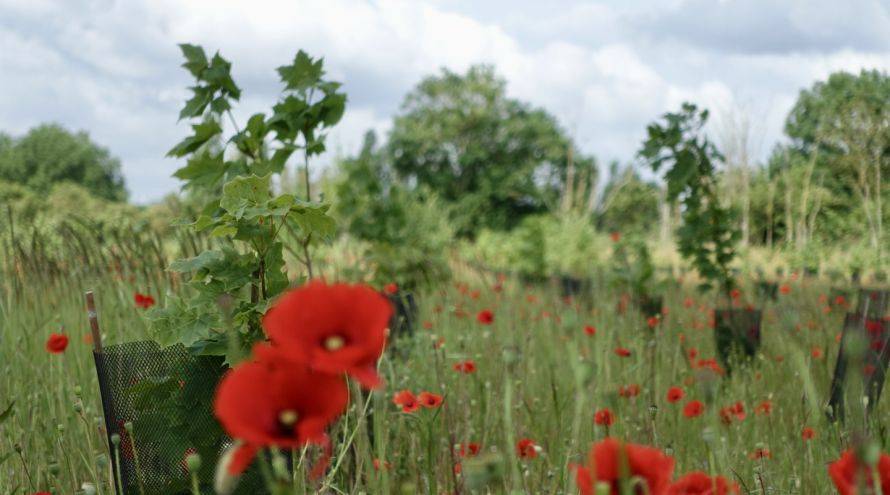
point(129, 427)
point(115, 439)
point(193, 461)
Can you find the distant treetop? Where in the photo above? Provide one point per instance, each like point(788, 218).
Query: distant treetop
point(49, 154)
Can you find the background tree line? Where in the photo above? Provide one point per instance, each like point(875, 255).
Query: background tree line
point(464, 158)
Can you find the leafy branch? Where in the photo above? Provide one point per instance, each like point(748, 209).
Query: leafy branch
point(707, 236)
point(243, 214)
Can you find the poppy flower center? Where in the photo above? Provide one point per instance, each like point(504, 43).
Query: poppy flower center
point(334, 342)
point(288, 417)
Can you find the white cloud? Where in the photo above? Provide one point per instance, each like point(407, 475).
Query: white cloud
point(604, 69)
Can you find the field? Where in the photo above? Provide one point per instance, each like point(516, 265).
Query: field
point(588, 267)
point(538, 375)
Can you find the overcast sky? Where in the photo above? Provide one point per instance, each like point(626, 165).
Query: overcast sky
point(605, 69)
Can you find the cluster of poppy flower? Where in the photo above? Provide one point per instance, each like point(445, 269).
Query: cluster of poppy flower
point(612, 463)
point(295, 386)
point(411, 403)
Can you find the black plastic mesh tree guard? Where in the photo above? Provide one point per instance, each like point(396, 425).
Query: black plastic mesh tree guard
point(737, 333)
point(167, 396)
point(874, 340)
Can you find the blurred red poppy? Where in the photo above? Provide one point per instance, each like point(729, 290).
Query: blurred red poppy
point(629, 391)
point(699, 483)
point(407, 400)
point(143, 301)
point(485, 317)
point(527, 449)
point(335, 328)
point(278, 403)
point(675, 394)
point(622, 352)
point(468, 366)
point(693, 409)
point(391, 288)
point(612, 461)
point(848, 471)
point(590, 330)
point(808, 433)
point(604, 417)
point(429, 400)
point(56, 343)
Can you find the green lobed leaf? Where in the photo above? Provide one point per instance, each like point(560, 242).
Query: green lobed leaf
point(203, 132)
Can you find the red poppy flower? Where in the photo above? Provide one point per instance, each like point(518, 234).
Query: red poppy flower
point(735, 293)
point(590, 330)
point(56, 343)
point(407, 400)
point(273, 402)
point(615, 236)
point(335, 328)
point(653, 321)
point(469, 449)
point(629, 391)
point(485, 317)
point(848, 471)
point(527, 449)
point(429, 400)
point(675, 394)
point(816, 352)
point(699, 483)
point(693, 353)
point(622, 352)
point(760, 453)
point(143, 301)
point(785, 289)
point(604, 417)
point(468, 366)
point(808, 433)
point(391, 288)
point(764, 408)
point(688, 302)
point(379, 464)
point(693, 409)
point(612, 461)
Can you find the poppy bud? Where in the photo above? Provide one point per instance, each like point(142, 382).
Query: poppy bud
point(128, 426)
point(193, 461)
point(101, 461)
point(279, 467)
point(78, 392)
point(603, 488)
point(115, 439)
point(224, 482)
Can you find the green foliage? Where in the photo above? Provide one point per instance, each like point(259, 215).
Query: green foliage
point(708, 234)
point(232, 285)
point(541, 246)
point(495, 158)
point(629, 205)
point(633, 271)
point(49, 154)
point(406, 232)
point(843, 126)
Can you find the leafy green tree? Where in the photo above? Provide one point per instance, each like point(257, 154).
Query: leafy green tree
point(629, 204)
point(233, 284)
point(407, 232)
point(708, 235)
point(843, 126)
point(495, 158)
point(49, 154)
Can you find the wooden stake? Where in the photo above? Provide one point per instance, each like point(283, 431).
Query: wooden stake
point(94, 321)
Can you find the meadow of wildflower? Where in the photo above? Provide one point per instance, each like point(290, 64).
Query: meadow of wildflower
point(503, 389)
